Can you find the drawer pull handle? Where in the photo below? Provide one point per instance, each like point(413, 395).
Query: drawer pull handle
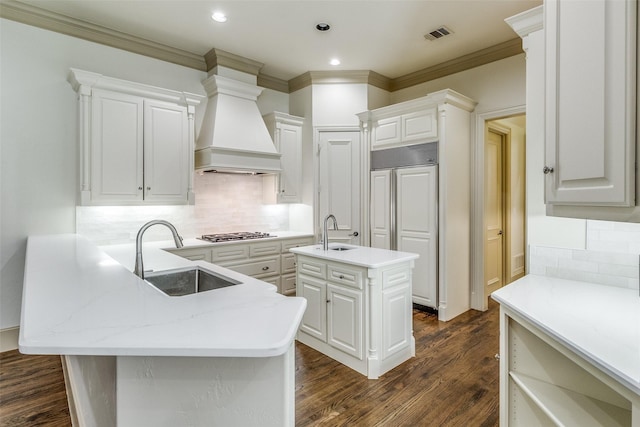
point(341, 276)
point(265, 268)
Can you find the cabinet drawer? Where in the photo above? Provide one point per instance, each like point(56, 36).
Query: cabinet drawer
point(312, 268)
point(286, 245)
point(263, 249)
point(345, 276)
point(288, 263)
point(256, 268)
point(229, 252)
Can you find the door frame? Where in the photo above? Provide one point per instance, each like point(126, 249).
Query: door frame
point(364, 182)
point(477, 297)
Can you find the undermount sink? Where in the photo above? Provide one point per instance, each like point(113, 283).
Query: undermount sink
point(340, 248)
point(188, 281)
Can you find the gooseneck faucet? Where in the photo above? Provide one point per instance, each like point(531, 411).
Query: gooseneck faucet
point(325, 236)
point(138, 270)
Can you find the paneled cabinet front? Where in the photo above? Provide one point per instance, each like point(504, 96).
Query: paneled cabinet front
point(286, 131)
point(358, 316)
point(138, 150)
point(135, 142)
point(405, 129)
point(590, 102)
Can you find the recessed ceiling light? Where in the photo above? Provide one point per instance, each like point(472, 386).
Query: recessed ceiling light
point(219, 17)
point(323, 26)
point(334, 61)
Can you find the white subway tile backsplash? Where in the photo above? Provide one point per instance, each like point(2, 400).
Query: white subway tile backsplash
point(223, 203)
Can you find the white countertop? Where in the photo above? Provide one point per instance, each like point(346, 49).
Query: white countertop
point(77, 299)
point(358, 255)
point(600, 323)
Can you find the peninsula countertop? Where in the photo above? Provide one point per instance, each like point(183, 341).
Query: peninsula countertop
point(77, 299)
point(601, 323)
point(362, 256)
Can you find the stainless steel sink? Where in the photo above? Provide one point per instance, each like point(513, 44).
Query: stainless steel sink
point(341, 248)
point(188, 281)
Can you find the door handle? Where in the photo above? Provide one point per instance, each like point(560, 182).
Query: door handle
point(500, 233)
point(354, 234)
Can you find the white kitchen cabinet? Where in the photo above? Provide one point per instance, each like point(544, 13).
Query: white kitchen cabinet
point(135, 142)
point(404, 129)
point(353, 308)
point(286, 132)
point(545, 383)
point(267, 260)
point(590, 102)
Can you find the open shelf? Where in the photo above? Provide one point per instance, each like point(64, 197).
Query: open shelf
point(569, 408)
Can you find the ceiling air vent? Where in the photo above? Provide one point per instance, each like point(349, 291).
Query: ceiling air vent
point(438, 33)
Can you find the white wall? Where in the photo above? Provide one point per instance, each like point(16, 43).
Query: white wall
point(338, 104)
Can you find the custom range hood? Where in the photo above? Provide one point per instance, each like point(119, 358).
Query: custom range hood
point(234, 137)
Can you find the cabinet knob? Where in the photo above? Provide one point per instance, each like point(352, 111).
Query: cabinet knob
point(148, 188)
point(547, 170)
point(354, 234)
point(328, 301)
point(140, 188)
point(341, 276)
point(265, 268)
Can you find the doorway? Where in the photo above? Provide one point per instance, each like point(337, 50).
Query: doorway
point(499, 237)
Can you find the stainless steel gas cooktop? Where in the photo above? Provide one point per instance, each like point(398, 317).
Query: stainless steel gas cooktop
point(241, 235)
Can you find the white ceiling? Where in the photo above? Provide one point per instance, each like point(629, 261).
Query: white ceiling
point(385, 36)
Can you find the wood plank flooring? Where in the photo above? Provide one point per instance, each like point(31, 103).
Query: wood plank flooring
point(452, 381)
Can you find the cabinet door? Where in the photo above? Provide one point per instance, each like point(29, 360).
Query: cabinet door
point(166, 146)
point(420, 126)
point(590, 102)
point(386, 132)
point(381, 209)
point(396, 318)
point(344, 320)
point(290, 147)
point(314, 321)
point(116, 147)
point(417, 228)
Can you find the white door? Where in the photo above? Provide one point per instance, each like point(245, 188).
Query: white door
point(339, 184)
point(116, 147)
point(166, 146)
point(416, 228)
point(493, 205)
point(380, 209)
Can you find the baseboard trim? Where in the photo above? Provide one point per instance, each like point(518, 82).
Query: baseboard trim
point(9, 338)
point(71, 395)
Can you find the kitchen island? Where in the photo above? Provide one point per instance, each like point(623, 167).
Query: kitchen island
point(134, 356)
point(359, 308)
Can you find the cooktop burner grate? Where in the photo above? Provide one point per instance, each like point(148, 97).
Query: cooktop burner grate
point(241, 235)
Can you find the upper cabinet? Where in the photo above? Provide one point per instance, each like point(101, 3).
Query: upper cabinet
point(286, 132)
point(590, 102)
point(405, 129)
point(136, 142)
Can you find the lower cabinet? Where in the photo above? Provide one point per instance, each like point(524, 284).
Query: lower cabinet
point(361, 317)
point(545, 383)
point(269, 261)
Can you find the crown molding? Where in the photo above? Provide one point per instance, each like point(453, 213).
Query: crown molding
point(31, 15)
point(485, 56)
point(59, 23)
point(217, 57)
point(527, 22)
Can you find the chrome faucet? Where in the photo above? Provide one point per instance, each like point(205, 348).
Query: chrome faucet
point(138, 270)
point(325, 236)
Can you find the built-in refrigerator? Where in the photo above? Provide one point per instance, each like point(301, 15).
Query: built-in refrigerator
point(404, 211)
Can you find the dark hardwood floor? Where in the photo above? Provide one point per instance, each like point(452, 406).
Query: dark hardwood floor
point(452, 381)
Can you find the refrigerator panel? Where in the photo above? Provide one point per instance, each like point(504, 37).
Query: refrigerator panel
point(407, 156)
